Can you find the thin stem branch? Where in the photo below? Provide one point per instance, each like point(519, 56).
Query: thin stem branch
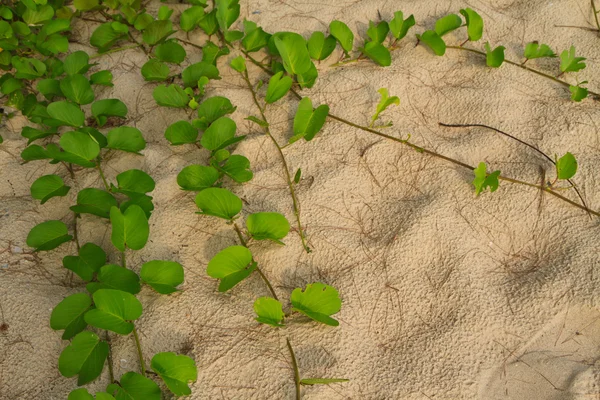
point(290, 182)
point(99, 167)
point(75, 235)
point(123, 260)
point(262, 275)
point(109, 358)
point(97, 55)
point(585, 28)
point(295, 367)
point(139, 351)
point(595, 15)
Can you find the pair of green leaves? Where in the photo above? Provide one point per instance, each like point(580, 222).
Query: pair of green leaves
point(434, 38)
point(317, 301)
point(308, 121)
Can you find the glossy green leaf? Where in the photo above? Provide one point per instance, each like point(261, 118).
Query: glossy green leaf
point(194, 72)
point(267, 226)
point(342, 34)
point(37, 15)
point(231, 265)
point(308, 122)
point(378, 53)
point(162, 276)
point(94, 201)
point(569, 62)
point(133, 386)
point(319, 46)
point(176, 371)
point(66, 113)
point(483, 180)
point(474, 24)
point(107, 34)
point(85, 357)
point(102, 109)
point(278, 87)
point(48, 186)
point(103, 78)
point(79, 148)
point(115, 277)
point(219, 134)
point(494, 58)
point(292, 48)
point(157, 31)
point(68, 314)
point(238, 64)
point(181, 132)
point(191, 17)
point(34, 134)
point(269, 311)
point(82, 393)
point(400, 26)
point(129, 229)
point(134, 181)
point(578, 92)
point(49, 235)
point(89, 261)
point(447, 24)
point(218, 202)
point(318, 302)
point(28, 68)
point(126, 138)
point(535, 50)
point(114, 309)
point(154, 70)
point(209, 23)
point(237, 167)
point(432, 40)
point(378, 32)
point(171, 52)
point(77, 62)
point(255, 37)
point(212, 109)
point(566, 166)
point(170, 96)
point(77, 89)
point(197, 177)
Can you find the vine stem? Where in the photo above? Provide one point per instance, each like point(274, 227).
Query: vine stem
point(522, 66)
point(99, 167)
point(139, 351)
point(262, 275)
point(110, 359)
point(296, 370)
point(290, 183)
point(595, 15)
point(75, 235)
point(131, 46)
point(430, 152)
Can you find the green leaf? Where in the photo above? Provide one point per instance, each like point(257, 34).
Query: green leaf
point(89, 261)
point(321, 381)
point(197, 177)
point(191, 17)
point(102, 109)
point(154, 70)
point(107, 35)
point(79, 148)
point(164, 13)
point(231, 265)
point(181, 132)
point(566, 166)
point(114, 309)
point(432, 40)
point(35, 16)
point(94, 201)
point(68, 314)
point(103, 78)
point(237, 167)
point(48, 186)
point(34, 134)
point(342, 34)
point(535, 50)
point(85, 356)
point(256, 38)
point(49, 235)
point(447, 24)
point(134, 181)
point(171, 52)
point(34, 152)
point(80, 394)
point(483, 180)
point(133, 386)
point(474, 24)
point(219, 134)
point(194, 72)
point(319, 46)
point(378, 32)
point(157, 31)
point(578, 93)
point(494, 58)
point(115, 277)
point(318, 301)
point(570, 63)
point(66, 113)
point(170, 96)
point(384, 103)
point(258, 121)
point(209, 23)
point(307, 123)
point(126, 138)
point(293, 52)
point(214, 108)
point(400, 26)
point(77, 62)
point(219, 202)
point(129, 229)
point(77, 89)
point(28, 68)
point(238, 64)
point(298, 176)
point(176, 371)
point(162, 276)
point(227, 12)
point(267, 225)
point(378, 53)
point(269, 311)
point(278, 87)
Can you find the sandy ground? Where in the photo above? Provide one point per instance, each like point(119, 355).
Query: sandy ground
point(445, 295)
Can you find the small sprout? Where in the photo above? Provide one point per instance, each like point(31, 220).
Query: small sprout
point(570, 63)
point(292, 49)
point(135, 386)
point(176, 371)
point(162, 276)
point(155, 71)
point(322, 381)
point(130, 228)
point(113, 311)
point(238, 64)
point(231, 265)
point(85, 356)
point(48, 186)
point(197, 177)
point(64, 113)
point(308, 122)
point(535, 50)
point(237, 167)
point(318, 302)
point(193, 104)
point(494, 58)
point(48, 235)
point(170, 96)
point(269, 311)
point(170, 52)
point(378, 53)
point(89, 261)
point(77, 88)
point(181, 132)
point(267, 226)
point(378, 32)
point(278, 87)
point(483, 180)
point(434, 42)
point(127, 139)
point(115, 277)
point(319, 46)
point(400, 26)
point(68, 314)
point(219, 202)
point(342, 34)
point(566, 166)
point(384, 103)
point(447, 24)
point(220, 134)
point(578, 92)
point(474, 24)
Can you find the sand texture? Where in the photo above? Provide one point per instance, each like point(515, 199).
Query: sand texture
point(445, 295)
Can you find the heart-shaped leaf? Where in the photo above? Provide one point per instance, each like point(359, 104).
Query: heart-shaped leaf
point(197, 177)
point(378, 32)
point(103, 78)
point(342, 34)
point(566, 166)
point(163, 276)
point(114, 309)
point(278, 87)
point(219, 202)
point(570, 63)
point(578, 92)
point(535, 50)
point(154, 70)
point(79, 148)
point(219, 134)
point(66, 113)
point(49, 235)
point(77, 89)
point(68, 314)
point(94, 201)
point(133, 386)
point(494, 58)
point(176, 371)
point(85, 356)
point(307, 123)
point(212, 109)
point(115, 277)
point(129, 229)
point(319, 46)
point(378, 53)
point(102, 109)
point(400, 26)
point(231, 265)
point(267, 226)
point(292, 49)
point(48, 186)
point(318, 301)
point(181, 132)
point(237, 167)
point(483, 180)
point(170, 96)
point(126, 138)
point(256, 38)
point(269, 311)
point(91, 257)
point(190, 18)
point(434, 42)
point(474, 24)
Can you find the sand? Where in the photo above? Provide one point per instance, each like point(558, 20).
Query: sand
point(445, 295)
